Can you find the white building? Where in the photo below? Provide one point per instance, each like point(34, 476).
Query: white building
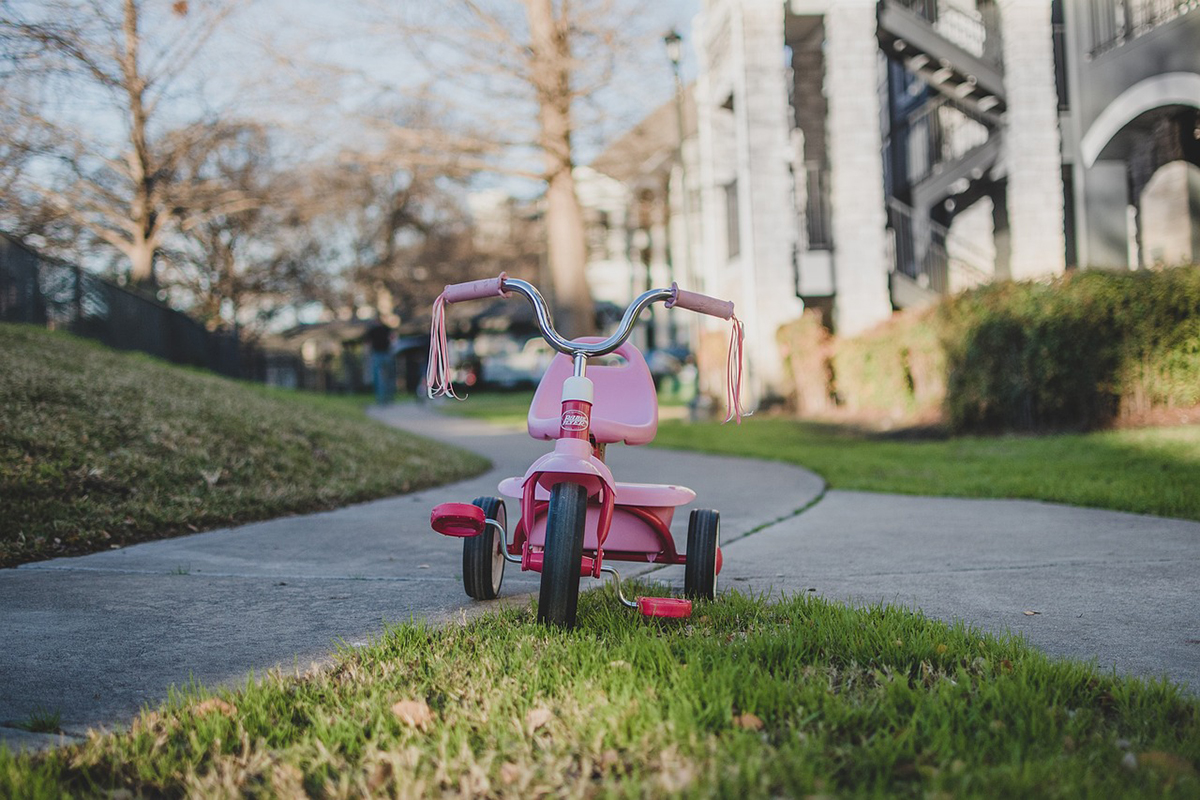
point(859, 156)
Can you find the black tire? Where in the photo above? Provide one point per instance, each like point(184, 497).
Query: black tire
point(565, 519)
point(700, 568)
point(483, 557)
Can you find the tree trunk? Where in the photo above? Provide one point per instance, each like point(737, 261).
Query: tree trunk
point(142, 213)
point(141, 260)
point(551, 71)
point(576, 315)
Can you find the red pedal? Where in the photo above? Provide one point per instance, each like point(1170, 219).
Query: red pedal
point(458, 519)
point(670, 607)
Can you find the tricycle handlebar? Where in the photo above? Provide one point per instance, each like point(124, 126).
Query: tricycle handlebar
point(502, 285)
point(438, 372)
point(475, 290)
point(546, 323)
point(700, 303)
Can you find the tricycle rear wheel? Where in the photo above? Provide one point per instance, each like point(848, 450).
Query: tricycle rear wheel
point(559, 596)
point(483, 557)
point(700, 567)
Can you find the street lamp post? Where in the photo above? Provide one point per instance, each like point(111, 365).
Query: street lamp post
point(673, 43)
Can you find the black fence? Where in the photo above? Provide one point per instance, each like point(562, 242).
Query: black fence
point(64, 297)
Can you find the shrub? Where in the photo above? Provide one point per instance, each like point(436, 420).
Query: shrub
point(896, 369)
point(805, 345)
point(1076, 353)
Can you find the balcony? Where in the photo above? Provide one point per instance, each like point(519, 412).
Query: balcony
point(1113, 23)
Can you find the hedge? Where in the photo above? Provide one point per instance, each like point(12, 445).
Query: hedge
point(1078, 353)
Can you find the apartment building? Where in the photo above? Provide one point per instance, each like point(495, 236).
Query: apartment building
point(860, 156)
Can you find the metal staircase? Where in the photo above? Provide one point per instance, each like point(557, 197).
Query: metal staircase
point(949, 146)
point(947, 47)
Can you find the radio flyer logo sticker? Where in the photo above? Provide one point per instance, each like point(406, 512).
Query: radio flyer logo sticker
point(574, 420)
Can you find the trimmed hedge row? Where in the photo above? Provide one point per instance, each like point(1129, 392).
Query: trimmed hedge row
point(1075, 353)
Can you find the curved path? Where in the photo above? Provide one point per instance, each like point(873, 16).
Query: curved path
point(96, 637)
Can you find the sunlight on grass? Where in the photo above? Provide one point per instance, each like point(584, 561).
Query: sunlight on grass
point(100, 449)
point(746, 699)
point(1149, 470)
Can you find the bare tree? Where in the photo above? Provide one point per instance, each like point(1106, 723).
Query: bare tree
point(99, 84)
point(390, 231)
point(511, 78)
point(242, 266)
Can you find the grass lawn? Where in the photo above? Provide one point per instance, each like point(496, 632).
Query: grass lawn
point(1146, 470)
point(747, 699)
point(100, 449)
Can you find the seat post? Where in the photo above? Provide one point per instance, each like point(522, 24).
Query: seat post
point(580, 364)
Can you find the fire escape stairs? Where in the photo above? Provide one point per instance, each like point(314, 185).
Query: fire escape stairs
point(948, 68)
point(963, 180)
point(968, 87)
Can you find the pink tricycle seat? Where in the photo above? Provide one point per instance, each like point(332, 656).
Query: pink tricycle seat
point(626, 405)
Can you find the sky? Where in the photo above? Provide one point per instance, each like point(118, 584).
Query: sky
point(269, 33)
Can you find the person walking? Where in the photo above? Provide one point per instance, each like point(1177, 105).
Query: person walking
point(381, 340)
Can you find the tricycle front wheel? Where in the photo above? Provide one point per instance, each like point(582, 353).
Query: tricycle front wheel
point(483, 555)
point(704, 542)
point(559, 596)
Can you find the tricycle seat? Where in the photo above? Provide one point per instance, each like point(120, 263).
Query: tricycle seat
point(626, 404)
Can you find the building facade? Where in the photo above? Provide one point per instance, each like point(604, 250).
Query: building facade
point(859, 156)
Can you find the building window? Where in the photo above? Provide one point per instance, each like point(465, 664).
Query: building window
point(733, 237)
point(820, 215)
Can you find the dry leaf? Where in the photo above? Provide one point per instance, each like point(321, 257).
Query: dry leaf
point(537, 717)
point(215, 704)
point(941, 648)
point(380, 776)
point(1168, 763)
point(1032, 613)
point(619, 663)
point(413, 713)
point(748, 721)
point(609, 758)
point(509, 773)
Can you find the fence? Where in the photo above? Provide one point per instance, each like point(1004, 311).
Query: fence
point(64, 297)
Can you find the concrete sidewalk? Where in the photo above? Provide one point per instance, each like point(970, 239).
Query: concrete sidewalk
point(94, 638)
point(97, 637)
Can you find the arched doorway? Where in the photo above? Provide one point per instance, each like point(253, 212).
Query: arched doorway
point(1141, 183)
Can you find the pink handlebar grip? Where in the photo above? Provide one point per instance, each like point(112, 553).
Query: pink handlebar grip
point(701, 303)
point(475, 290)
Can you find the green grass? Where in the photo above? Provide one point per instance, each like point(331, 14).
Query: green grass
point(1143, 470)
point(42, 720)
point(1146, 470)
point(747, 699)
point(100, 449)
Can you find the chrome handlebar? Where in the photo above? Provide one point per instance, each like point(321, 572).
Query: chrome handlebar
point(581, 349)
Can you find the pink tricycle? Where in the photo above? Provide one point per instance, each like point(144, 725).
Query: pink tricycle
point(575, 517)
